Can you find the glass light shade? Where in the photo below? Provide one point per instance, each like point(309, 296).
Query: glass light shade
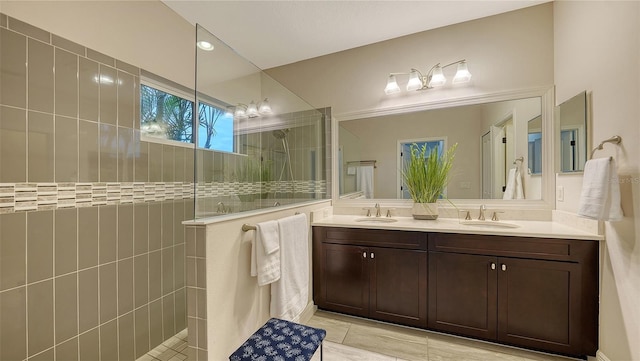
point(462, 75)
point(415, 81)
point(437, 77)
point(392, 85)
point(240, 112)
point(252, 110)
point(228, 111)
point(265, 107)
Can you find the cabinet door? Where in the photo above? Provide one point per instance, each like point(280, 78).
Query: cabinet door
point(345, 279)
point(463, 294)
point(398, 286)
point(539, 304)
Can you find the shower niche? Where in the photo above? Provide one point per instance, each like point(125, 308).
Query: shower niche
point(273, 150)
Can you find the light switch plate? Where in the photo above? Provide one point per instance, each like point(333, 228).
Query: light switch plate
point(560, 193)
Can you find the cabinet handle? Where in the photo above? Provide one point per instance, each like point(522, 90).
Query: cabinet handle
point(493, 265)
point(364, 254)
point(504, 267)
point(372, 255)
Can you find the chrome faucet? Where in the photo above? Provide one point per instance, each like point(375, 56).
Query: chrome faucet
point(276, 204)
point(482, 209)
point(221, 208)
point(377, 207)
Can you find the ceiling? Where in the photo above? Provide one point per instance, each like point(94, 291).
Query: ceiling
point(274, 33)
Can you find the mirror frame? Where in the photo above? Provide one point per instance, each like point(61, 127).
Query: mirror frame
point(548, 168)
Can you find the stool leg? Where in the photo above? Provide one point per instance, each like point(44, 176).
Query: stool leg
point(321, 350)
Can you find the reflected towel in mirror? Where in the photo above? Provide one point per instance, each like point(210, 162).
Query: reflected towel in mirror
point(364, 180)
point(514, 189)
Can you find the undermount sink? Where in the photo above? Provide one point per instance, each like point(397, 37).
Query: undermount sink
point(497, 224)
point(376, 220)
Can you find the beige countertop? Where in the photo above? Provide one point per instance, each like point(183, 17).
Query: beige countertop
point(540, 229)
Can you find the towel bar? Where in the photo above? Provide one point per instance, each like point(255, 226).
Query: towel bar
point(616, 139)
point(248, 227)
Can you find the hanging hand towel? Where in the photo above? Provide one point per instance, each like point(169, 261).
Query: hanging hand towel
point(519, 189)
point(265, 253)
point(289, 295)
point(600, 197)
point(513, 189)
point(364, 180)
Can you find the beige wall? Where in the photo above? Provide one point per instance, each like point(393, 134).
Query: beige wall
point(236, 305)
point(504, 52)
point(589, 37)
point(146, 34)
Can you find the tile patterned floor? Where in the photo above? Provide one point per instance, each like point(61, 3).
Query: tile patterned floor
point(356, 339)
point(173, 349)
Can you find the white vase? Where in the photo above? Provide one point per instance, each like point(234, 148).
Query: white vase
point(428, 211)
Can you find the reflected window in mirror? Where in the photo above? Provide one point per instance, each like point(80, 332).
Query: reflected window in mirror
point(431, 144)
point(572, 116)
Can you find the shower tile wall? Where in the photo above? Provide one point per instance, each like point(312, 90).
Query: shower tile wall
point(92, 249)
point(196, 293)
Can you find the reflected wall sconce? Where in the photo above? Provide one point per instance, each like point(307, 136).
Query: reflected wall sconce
point(253, 110)
point(434, 78)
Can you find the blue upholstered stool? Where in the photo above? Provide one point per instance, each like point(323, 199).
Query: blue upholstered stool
point(280, 340)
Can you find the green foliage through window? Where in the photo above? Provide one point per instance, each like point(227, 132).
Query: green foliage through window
point(165, 115)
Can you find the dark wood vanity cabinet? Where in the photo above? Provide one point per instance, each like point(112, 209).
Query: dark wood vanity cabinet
point(530, 292)
point(371, 273)
point(537, 293)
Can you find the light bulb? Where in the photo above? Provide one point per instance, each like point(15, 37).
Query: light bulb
point(437, 77)
point(462, 74)
point(415, 80)
point(265, 107)
point(205, 45)
point(252, 110)
point(392, 85)
point(239, 112)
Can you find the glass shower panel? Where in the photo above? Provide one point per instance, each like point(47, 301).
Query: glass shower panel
point(259, 145)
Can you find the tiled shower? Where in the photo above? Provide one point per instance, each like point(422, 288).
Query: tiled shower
point(92, 249)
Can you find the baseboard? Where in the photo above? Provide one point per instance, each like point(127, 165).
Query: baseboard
point(600, 356)
point(308, 311)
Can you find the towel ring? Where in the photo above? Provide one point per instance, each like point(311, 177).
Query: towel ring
point(616, 139)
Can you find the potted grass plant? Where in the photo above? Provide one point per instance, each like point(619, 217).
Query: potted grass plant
point(426, 176)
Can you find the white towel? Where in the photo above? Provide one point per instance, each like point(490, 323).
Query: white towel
point(289, 295)
point(364, 180)
point(513, 189)
point(265, 253)
point(600, 197)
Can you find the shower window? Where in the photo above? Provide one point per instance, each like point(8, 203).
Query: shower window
point(165, 114)
point(215, 128)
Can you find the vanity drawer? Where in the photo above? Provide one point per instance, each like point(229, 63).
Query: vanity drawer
point(372, 237)
point(509, 246)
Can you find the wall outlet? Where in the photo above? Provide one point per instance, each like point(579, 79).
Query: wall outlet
point(464, 185)
point(560, 193)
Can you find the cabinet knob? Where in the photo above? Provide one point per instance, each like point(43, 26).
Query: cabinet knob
point(364, 254)
point(504, 267)
point(372, 255)
point(493, 265)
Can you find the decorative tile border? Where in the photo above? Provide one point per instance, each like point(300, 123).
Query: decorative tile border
point(26, 197)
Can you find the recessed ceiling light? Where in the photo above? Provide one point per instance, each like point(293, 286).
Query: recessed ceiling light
point(205, 45)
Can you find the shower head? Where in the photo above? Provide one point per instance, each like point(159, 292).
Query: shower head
point(280, 133)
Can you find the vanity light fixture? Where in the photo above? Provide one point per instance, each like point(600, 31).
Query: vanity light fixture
point(253, 110)
point(434, 78)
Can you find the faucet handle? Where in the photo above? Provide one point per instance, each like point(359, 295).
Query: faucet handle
point(389, 212)
point(468, 216)
point(368, 211)
point(495, 216)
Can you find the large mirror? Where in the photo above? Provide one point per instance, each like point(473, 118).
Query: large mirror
point(572, 119)
point(493, 139)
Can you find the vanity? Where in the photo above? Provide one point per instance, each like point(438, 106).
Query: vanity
point(535, 286)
